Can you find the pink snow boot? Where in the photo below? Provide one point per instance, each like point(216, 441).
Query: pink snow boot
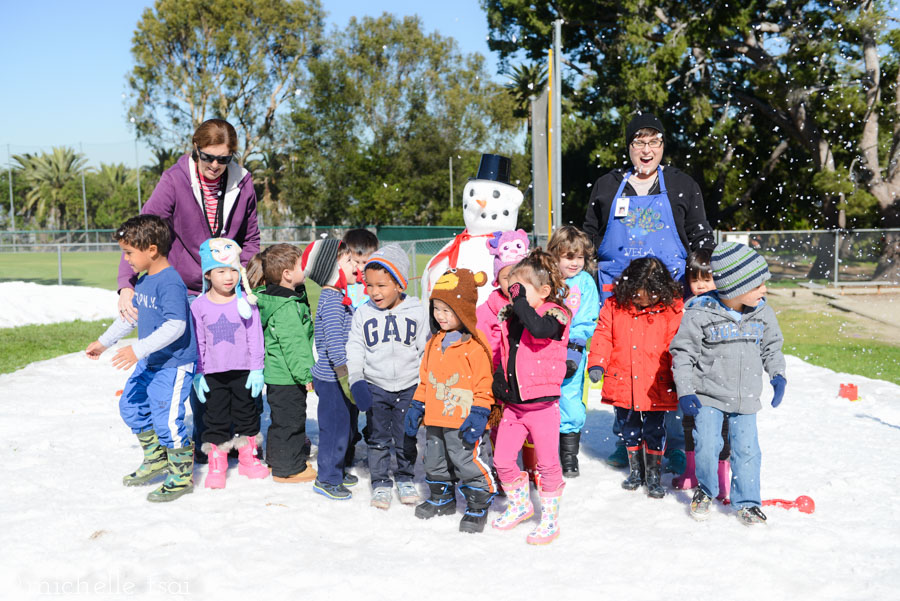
point(248, 459)
point(688, 478)
point(218, 464)
point(518, 504)
point(724, 481)
point(547, 531)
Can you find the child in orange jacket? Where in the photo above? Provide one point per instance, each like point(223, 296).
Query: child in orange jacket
point(454, 397)
point(631, 347)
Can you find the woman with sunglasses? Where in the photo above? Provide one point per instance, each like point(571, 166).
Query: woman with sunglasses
point(204, 195)
point(646, 210)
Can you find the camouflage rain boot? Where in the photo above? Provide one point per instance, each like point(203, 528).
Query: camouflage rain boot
point(180, 479)
point(154, 463)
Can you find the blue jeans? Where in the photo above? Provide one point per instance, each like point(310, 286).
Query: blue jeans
point(745, 455)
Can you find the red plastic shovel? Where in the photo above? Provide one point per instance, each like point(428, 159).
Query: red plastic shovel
point(803, 503)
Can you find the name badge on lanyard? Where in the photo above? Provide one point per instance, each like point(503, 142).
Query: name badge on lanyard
point(621, 209)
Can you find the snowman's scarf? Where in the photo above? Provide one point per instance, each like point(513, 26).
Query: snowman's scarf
point(452, 252)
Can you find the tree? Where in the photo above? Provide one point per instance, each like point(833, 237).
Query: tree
point(385, 107)
point(47, 174)
point(763, 101)
point(236, 59)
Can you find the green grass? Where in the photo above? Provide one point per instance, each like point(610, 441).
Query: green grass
point(27, 344)
point(828, 341)
point(97, 269)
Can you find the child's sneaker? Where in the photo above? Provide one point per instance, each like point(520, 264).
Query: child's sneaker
point(350, 479)
point(333, 491)
point(408, 493)
point(750, 516)
point(700, 505)
point(381, 498)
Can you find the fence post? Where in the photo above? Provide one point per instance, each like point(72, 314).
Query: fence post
point(837, 253)
point(414, 269)
point(59, 262)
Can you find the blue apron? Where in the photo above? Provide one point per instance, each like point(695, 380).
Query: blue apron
point(648, 229)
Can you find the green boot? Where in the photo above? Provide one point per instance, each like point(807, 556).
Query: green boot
point(180, 479)
point(154, 460)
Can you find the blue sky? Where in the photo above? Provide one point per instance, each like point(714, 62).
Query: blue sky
point(63, 67)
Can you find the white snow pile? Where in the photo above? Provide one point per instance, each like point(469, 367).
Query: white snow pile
point(73, 529)
point(25, 303)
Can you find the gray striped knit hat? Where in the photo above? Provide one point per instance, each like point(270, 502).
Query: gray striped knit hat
point(737, 269)
point(319, 262)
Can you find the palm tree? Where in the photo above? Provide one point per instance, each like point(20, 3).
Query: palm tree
point(115, 176)
point(47, 174)
point(525, 82)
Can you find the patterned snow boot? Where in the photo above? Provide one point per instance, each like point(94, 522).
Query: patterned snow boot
point(653, 467)
point(636, 465)
point(569, 443)
point(248, 459)
point(217, 457)
point(180, 477)
point(518, 504)
point(154, 463)
point(548, 529)
point(688, 478)
point(724, 481)
point(442, 501)
point(478, 500)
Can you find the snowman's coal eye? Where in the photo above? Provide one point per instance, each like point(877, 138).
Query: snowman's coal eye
point(465, 205)
point(506, 213)
point(496, 193)
point(472, 192)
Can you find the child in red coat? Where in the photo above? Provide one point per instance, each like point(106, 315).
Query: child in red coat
point(631, 347)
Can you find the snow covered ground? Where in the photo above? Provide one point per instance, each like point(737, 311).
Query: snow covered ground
point(72, 529)
point(25, 303)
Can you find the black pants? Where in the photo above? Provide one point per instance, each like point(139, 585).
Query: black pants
point(387, 434)
point(229, 405)
point(286, 450)
point(689, 437)
point(643, 427)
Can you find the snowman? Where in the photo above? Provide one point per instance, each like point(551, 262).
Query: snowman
point(490, 204)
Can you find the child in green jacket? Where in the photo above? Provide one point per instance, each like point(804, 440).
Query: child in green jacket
point(288, 334)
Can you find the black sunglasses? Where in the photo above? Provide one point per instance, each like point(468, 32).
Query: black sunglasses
point(209, 158)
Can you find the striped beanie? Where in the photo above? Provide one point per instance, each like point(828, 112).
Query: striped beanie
point(319, 262)
point(394, 260)
point(737, 269)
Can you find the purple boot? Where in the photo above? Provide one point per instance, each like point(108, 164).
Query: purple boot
point(724, 481)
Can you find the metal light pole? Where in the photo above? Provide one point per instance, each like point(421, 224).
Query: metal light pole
point(12, 213)
point(83, 194)
point(556, 139)
point(137, 168)
point(451, 182)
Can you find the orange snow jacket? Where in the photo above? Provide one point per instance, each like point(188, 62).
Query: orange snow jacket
point(453, 381)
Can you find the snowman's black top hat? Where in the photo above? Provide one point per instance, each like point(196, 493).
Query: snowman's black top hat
point(494, 167)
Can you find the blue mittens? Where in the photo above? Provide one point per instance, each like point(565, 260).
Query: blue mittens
point(473, 427)
point(361, 395)
point(778, 383)
point(413, 418)
point(690, 404)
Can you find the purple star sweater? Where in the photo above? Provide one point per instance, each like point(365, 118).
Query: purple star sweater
point(226, 341)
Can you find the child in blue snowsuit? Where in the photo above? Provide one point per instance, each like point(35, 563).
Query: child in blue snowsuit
point(573, 250)
point(153, 402)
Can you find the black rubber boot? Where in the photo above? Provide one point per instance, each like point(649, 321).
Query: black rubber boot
point(442, 501)
point(568, 453)
point(653, 465)
point(478, 500)
point(636, 465)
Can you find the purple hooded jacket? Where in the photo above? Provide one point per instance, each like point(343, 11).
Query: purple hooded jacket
point(178, 201)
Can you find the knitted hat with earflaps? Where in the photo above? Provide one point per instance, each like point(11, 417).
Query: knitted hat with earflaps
point(459, 289)
point(319, 263)
point(224, 252)
point(508, 249)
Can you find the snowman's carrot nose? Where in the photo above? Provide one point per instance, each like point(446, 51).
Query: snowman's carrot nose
point(481, 203)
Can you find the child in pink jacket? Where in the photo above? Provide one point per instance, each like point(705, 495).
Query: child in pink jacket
point(535, 332)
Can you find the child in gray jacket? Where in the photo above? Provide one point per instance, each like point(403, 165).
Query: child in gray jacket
point(725, 341)
point(386, 342)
